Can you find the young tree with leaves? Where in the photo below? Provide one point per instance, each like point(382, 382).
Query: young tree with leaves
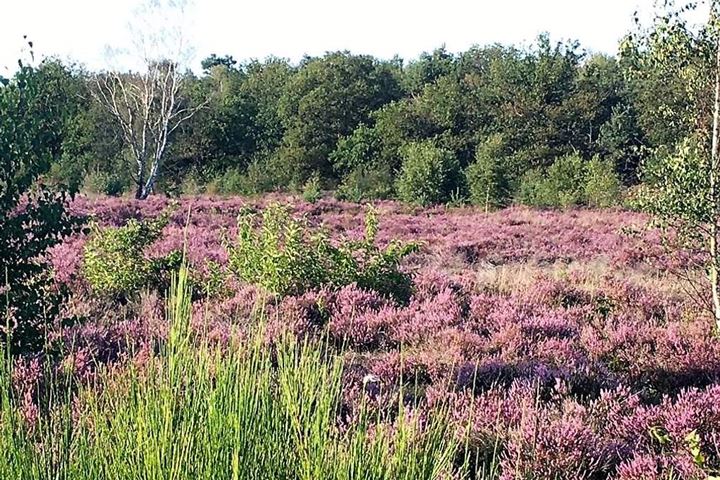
point(682, 179)
point(33, 217)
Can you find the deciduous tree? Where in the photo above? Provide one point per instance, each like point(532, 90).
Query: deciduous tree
point(683, 185)
point(150, 104)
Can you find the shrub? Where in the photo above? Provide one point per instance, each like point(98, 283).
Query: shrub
point(486, 178)
point(534, 189)
point(566, 177)
point(367, 183)
point(312, 191)
point(33, 217)
point(68, 172)
point(286, 258)
point(561, 185)
point(255, 179)
point(602, 183)
point(104, 183)
point(360, 149)
point(259, 177)
point(114, 261)
point(192, 183)
point(232, 182)
point(429, 174)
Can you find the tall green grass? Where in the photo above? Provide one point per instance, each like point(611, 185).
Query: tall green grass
point(195, 411)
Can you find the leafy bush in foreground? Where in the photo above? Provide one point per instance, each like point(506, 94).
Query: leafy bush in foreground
point(33, 218)
point(114, 263)
point(286, 258)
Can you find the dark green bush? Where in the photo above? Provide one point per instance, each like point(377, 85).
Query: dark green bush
point(286, 257)
point(566, 179)
point(486, 178)
point(67, 172)
point(114, 261)
point(561, 185)
point(360, 149)
point(533, 189)
point(104, 183)
point(192, 183)
point(430, 175)
point(33, 217)
point(231, 182)
point(257, 178)
point(260, 177)
point(366, 183)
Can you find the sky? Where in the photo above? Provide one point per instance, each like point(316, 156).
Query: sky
point(82, 30)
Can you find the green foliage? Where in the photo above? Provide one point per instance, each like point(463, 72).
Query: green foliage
point(269, 125)
point(674, 66)
point(214, 282)
point(325, 101)
point(286, 258)
point(676, 191)
point(487, 178)
point(232, 182)
point(114, 261)
point(429, 174)
point(312, 190)
point(427, 69)
point(366, 183)
point(362, 148)
point(226, 61)
point(621, 140)
point(192, 183)
point(533, 189)
point(104, 183)
point(258, 177)
point(570, 181)
point(670, 67)
point(602, 183)
point(69, 173)
point(566, 177)
point(33, 217)
point(560, 185)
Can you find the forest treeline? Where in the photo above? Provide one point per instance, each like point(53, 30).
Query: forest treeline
point(547, 124)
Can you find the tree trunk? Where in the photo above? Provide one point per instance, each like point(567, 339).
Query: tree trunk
point(140, 190)
point(714, 225)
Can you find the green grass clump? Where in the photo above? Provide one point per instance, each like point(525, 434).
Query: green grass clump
point(195, 411)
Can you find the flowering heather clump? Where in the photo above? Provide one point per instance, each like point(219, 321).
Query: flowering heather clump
point(360, 319)
point(560, 346)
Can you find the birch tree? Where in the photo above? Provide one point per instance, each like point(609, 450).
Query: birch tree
point(148, 104)
point(682, 189)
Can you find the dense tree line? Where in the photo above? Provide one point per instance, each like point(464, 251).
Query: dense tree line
point(487, 125)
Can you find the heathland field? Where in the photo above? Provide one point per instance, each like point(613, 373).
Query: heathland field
point(511, 344)
point(494, 263)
